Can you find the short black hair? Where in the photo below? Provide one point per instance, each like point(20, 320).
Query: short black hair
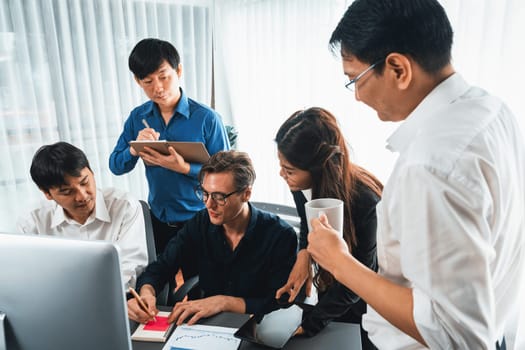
point(238, 163)
point(372, 29)
point(147, 56)
point(52, 163)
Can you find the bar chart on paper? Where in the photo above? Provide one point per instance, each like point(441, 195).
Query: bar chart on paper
point(202, 337)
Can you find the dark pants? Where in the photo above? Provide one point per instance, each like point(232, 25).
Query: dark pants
point(163, 233)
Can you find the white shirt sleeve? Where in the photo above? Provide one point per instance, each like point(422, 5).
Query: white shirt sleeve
point(446, 254)
point(25, 224)
point(131, 241)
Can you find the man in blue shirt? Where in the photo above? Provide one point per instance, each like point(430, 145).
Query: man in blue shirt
point(241, 254)
point(169, 115)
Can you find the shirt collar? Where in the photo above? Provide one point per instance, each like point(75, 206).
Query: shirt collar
point(443, 94)
point(101, 210)
point(254, 213)
point(182, 108)
point(100, 213)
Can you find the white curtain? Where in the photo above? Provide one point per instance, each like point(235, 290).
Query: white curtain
point(64, 76)
point(273, 59)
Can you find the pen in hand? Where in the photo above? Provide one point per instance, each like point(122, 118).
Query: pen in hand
point(155, 133)
point(146, 123)
point(143, 306)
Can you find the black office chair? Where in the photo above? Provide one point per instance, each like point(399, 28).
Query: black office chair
point(189, 288)
point(162, 298)
point(285, 212)
point(148, 226)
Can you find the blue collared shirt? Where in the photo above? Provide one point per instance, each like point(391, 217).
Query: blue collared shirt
point(258, 266)
point(171, 194)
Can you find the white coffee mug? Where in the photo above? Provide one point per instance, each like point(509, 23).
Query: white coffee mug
point(331, 207)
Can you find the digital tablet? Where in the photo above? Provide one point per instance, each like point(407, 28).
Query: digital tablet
point(191, 151)
point(275, 328)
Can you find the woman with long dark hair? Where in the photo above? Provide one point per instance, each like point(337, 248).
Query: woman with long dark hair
point(315, 163)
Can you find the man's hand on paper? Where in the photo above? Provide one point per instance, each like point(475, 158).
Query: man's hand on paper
point(136, 313)
point(197, 309)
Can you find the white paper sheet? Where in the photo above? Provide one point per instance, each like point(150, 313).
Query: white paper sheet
point(198, 337)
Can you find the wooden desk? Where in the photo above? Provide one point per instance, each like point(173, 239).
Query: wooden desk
point(336, 335)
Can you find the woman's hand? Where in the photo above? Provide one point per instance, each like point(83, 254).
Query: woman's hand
point(301, 273)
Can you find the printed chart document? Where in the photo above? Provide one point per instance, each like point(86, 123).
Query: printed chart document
point(202, 337)
point(154, 331)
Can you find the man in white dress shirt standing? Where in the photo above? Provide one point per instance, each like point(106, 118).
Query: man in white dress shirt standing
point(77, 209)
point(451, 227)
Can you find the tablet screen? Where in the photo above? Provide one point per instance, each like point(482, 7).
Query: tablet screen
point(274, 330)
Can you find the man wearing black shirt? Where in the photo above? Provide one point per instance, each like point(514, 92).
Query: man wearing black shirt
point(241, 254)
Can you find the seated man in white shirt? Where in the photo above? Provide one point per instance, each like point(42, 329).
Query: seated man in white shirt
point(77, 209)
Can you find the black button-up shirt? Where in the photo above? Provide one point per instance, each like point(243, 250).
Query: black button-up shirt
point(254, 270)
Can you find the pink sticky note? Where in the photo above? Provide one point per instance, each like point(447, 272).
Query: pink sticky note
point(161, 324)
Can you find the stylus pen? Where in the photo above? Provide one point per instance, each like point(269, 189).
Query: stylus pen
point(145, 123)
point(139, 300)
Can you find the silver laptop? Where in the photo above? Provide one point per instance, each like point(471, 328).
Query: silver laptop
point(58, 293)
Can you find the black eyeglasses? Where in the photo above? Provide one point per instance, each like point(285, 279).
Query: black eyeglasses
point(351, 85)
point(218, 197)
